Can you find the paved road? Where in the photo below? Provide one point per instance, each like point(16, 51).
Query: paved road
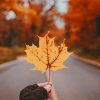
point(15, 77)
point(80, 81)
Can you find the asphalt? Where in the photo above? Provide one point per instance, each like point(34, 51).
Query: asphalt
point(16, 76)
point(81, 81)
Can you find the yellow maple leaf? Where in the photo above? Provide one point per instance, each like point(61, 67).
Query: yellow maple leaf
point(47, 55)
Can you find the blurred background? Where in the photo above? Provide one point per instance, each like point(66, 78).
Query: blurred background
point(22, 20)
point(78, 21)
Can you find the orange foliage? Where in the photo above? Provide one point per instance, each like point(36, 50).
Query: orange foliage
point(82, 17)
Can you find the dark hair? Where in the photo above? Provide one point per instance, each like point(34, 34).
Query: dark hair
point(33, 92)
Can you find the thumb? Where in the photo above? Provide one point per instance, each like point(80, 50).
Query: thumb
point(48, 87)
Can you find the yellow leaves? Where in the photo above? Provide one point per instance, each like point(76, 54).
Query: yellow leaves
point(47, 55)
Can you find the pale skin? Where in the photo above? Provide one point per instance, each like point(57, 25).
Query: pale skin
point(46, 85)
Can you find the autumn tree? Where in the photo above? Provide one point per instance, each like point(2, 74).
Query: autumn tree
point(29, 19)
point(83, 18)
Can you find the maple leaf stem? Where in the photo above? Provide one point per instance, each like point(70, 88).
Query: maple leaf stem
point(49, 76)
point(48, 64)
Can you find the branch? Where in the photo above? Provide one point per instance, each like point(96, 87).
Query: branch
point(51, 7)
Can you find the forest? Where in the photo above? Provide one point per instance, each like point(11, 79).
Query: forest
point(22, 20)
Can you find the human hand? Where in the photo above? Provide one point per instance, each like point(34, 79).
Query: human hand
point(46, 85)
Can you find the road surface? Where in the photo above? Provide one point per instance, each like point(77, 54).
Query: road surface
point(80, 81)
point(15, 77)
